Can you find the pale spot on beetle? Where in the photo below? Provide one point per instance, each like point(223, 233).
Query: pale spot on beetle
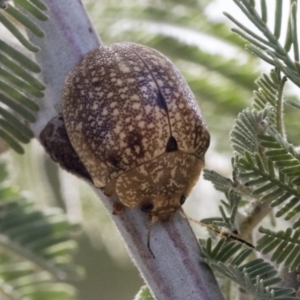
point(119, 82)
point(113, 104)
point(125, 160)
point(99, 123)
point(141, 124)
point(93, 146)
point(113, 174)
point(117, 58)
point(123, 67)
point(104, 111)
point(178, 117)
point(173, 172)
point(95, 79)
point(102, 72)
point(97, 183)
point(144, 89)
point(109, 95)
point(122, 144)
point(115, 112)
point(147, 109)
point(95, 106)
point(152, 85)
point(137, 149)
point(135, 105)
point(79, 126)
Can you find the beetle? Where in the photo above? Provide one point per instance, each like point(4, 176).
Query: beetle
point(136, 127)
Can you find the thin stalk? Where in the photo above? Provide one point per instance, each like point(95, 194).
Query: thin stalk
point(278, 19)
point(280, 108)
point(264, 12)
point(294, 30)
point(243, 27)
point(176, 272)
point(254, 17)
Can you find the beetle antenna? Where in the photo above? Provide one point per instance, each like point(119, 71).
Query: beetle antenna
point(212, 228)
point(153, 221)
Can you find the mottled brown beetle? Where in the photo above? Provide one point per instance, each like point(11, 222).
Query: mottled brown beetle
point(136, 127)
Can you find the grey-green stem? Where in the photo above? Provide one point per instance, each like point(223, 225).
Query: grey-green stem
point(176, 273)
point(254, 213)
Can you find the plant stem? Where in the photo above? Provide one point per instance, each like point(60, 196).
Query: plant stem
point(176, 272)
point(254, 212)
point(279, 110)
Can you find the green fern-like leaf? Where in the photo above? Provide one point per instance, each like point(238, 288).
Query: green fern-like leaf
point(35, 249)
point(266, 163)
point(257, 276)
point(266, 93)
point(285, 246)
point(221, 183)
point(274, 174)
point(248, 125)
point(268, 186)
point(19, 89)
point(232, 192)
point(265, 42)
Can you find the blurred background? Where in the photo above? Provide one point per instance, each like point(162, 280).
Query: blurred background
point(196, 36)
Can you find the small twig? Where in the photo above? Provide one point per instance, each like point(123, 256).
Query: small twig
point(255, 212)
point(217, 230)
point(280, 108)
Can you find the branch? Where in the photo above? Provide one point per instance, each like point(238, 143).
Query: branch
point(176, 272)
point(255, 212)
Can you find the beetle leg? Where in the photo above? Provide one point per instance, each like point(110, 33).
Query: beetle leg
point(118, 208)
